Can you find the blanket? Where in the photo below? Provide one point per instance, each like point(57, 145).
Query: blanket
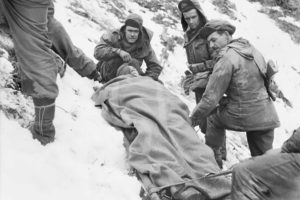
point(165, 146)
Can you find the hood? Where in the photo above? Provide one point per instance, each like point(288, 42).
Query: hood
point(242, 47)
point(200, 12)
point(145, 34)
point(144, 39)
point(135, 17)
point(247, 51)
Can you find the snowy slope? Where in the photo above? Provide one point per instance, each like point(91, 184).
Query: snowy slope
point(87, 160)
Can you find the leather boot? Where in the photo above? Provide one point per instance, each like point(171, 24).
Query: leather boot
point(43, 129)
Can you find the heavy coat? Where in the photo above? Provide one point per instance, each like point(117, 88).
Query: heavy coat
point(247, 106)
point(197, 49)
point(140, 51)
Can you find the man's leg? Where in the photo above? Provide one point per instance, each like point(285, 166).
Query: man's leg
point(198, 95)
point(64, 47)
point(38, 69)
point(203, 126)
point(215, 136)
point(269, 177)
point(260, 141)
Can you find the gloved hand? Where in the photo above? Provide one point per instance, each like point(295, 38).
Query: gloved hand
point(196, 118)
point(96, 76)
point(193, 121)
point(124, 55)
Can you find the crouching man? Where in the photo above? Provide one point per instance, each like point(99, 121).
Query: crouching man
point(238, 74)
point(129, 44)
point(273, 176)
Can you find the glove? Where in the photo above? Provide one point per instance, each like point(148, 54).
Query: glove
point(193, 121)
point(124, 55)
point(96, 76)
point(187, 81)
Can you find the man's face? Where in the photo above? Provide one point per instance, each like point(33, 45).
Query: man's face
point(192, 18)
point(131, 34)
point(218, 40)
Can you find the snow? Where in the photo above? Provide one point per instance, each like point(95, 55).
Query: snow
point(87, 159)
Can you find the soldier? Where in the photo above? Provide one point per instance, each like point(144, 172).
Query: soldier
point(27, 21)
point(129, 44)
point(197, 50)
point(274, 175)
point(239, 73)
point(199, 56)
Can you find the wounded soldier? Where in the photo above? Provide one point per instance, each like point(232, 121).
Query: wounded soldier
point(163, 146)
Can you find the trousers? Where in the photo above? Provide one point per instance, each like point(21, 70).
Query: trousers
point(259, 141)
point(38, 65)
point(267, 177)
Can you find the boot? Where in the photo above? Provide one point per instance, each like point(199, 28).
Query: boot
point(43, 129)
point(218, 156)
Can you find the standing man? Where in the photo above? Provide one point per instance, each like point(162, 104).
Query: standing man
point(239, 73)
point(38, 67)
point(197, 50)
point(129, 44)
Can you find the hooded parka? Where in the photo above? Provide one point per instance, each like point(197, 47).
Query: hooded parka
point(197, 48)
point(247, 106)
point(141, 50)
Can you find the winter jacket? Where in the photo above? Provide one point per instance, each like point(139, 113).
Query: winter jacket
point(247, 105)
point(197, 49)
point(140, 51)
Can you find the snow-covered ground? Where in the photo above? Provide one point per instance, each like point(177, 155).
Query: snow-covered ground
point(87, 159)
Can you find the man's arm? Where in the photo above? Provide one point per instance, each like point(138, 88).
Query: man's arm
point(107, 47)
point(292, 145)
point(215, 89)
point(153, 67)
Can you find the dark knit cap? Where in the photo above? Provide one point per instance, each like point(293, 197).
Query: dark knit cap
point(185, 6)
point(216, 25)
point(132, 23)
point(134, 20)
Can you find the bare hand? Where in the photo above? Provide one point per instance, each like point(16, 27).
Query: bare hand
point(125, 56)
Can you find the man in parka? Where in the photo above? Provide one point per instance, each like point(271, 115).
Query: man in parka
point(200, 60)
point(238, 73)
point(272, 176)
point(129, 44)
point(197, 50)
point(27, 21)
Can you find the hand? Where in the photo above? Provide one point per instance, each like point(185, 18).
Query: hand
point(96, 76)
point(193, 121)
point(192, 68)
point(272, 151)
point(124, 55)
